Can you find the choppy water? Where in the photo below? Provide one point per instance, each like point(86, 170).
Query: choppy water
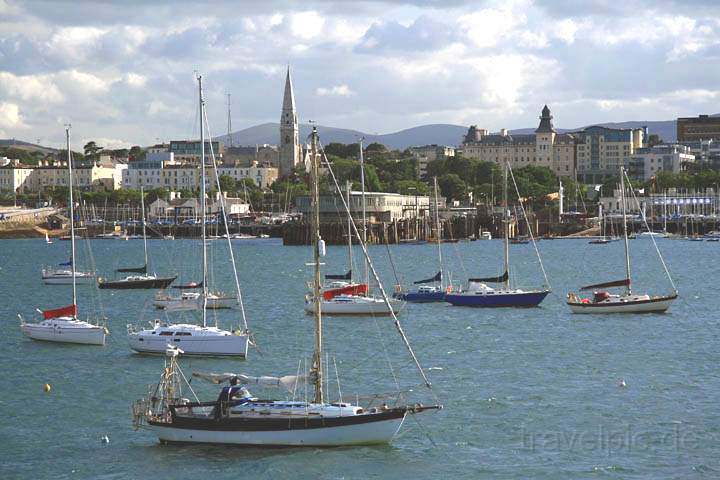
point(527, 393)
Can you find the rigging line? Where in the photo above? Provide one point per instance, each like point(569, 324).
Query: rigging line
point(396, 321)
point(227, 229)
point(652, 237)
point(392, 263)
point(423, 429)
point(527, 222)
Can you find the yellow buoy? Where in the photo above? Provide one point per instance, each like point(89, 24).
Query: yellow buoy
point(47, 388)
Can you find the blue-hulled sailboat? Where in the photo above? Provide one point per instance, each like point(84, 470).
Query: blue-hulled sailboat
point(479, 294)
point(429, 293)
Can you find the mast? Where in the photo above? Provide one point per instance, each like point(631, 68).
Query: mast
point(317, 354)
point(628, 290)
point(364, 220)
point(142, 206)
point(202, 202)
point(348, 184)
point(438, 233)
point(506, 223)
point(72, 220)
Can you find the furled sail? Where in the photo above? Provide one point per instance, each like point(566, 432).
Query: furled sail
point(503, 278)
point(142, 269)
point(289, 382)
point(70, 310)
point(616, 283)
point(189, 285)
point(436, 278)
point(346, 276)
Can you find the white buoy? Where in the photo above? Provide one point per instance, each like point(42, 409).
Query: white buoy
point(622, 383)
point(104, 439)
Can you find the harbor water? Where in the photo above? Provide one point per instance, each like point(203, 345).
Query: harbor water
point(527, 393)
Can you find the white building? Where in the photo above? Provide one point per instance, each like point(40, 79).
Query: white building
point(379, 206)
point(31, 179)
point(648, 162)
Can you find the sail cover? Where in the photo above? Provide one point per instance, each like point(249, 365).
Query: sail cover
point(617, 283)
point(142, 269)
point(66, 264)
point(189, 285)
point(503, 278)
point(70, 310)
point(436, 278)
point(346, 276)
point(289, 382)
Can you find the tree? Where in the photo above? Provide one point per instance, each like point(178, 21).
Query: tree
point(91, 149)
point(452, 186)
point(654, 139)
point(136, 153)
point(412, 187)
point(228, 184)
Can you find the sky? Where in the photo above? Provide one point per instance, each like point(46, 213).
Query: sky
point(123, 73)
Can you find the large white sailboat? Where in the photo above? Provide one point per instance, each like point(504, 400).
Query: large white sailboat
point(62, 324)
point(628, 301)
point(204, 339)
point(237, 417)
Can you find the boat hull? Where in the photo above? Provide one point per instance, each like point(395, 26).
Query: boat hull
point(160, 282)
point(201, 345)
point(374, 307)
point(84, 336)
point(422, 297)
point(67, 280)
point(653, 305)
point(329, 432)
point(497, 299)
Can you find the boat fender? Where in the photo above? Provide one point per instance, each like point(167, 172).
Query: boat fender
point(321, 247)
point(585, 300)
point(448, 289)
point(398, 288)
point(47, 388)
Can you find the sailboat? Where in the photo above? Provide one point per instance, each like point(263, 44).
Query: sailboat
point(47, 239)
point(343, 284)
point(141, 279)
point(237, 417)
point(480, 294)
point(436, 292)
point(202, 340)
point(355, 300)
point(626, 302)
point(62, 324)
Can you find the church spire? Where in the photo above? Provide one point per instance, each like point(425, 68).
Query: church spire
point(290, 151)
point(546, 125)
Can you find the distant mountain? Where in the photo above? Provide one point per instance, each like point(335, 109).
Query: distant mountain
point(440, 134)
point(19, 144)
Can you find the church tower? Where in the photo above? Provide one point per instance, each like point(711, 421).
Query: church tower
point(290, 151)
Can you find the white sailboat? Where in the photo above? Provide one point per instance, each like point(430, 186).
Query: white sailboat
point(47, 239)
point(202, 340)
point(236, 417)
point(62, 324)
point(628, 301)
point(357, 301)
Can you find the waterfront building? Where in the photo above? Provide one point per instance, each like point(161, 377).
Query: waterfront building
point(674, 203)
point(707, 152)
point(602, 150)
point(189, 150)
point(267, 155)
point(649, 161)
point(430, 153)
point(703, 127)
point(544, 148)
point(379, 206)
point(33, 179)
point(290, 149)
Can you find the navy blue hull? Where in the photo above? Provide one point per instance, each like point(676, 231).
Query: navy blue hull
point(422, 297)
point(525, 299)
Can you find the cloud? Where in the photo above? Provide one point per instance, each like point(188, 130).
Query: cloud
point(10, 116)
point(336, 91)
point(40, 88)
